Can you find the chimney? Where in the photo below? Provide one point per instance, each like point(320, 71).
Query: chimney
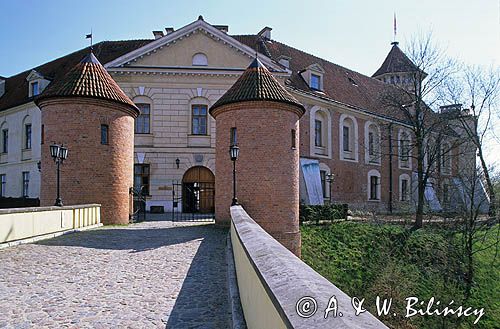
point(2, 86)
point(158, 34)
point(222, 28)
point(169, 30)
point(265, 33)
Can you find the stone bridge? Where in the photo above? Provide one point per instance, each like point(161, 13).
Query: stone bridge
point(165, 274)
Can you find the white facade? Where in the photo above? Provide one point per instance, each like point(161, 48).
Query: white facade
point(18, 158)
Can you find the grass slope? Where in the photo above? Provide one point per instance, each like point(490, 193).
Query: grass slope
point(366, 260)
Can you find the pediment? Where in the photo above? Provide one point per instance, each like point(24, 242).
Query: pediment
point(181, 53)
point(176, 50)
point(316, 68)
point(34, 75)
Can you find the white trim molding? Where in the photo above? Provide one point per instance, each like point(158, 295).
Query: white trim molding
point(408, 187)
point(372, 173)
point(355, 152)
point(326, 150)
point(401, 163)
point(377, 142)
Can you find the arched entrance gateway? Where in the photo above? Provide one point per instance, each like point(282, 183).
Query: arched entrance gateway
point(198, 191)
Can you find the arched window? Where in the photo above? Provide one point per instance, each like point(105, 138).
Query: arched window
point(5, 137)
point(404, 188)
point(373, 185)
point(372, 143)
point(320, 132)
point(404, 146)
point(348, 137)
point(200, 59)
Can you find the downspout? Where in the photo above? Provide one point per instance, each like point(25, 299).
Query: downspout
point(390, 168)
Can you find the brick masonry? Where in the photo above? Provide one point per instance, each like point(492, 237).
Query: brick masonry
point(267, 169)
point(93, 173)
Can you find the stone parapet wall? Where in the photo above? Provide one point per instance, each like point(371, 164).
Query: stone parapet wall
point(271, 281)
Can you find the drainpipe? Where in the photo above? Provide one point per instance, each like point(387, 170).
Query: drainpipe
point(390, 168)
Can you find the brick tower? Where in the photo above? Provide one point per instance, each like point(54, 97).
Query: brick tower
point(88, 112)
point(266, 118)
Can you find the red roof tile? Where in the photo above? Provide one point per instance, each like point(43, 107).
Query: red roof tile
point(339, 83)
point(87, 79)
point(257, 84)
point(16, 87)
point(396, 62)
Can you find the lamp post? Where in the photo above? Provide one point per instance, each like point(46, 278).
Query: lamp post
point(329, 179)
point(234, 151)
point(59, 153)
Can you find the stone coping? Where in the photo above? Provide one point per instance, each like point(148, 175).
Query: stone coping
point(50, 208)
point(287, 279)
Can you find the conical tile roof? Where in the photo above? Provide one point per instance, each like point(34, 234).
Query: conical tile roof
point(257, 84)
point(396, 62)
point(88, 78)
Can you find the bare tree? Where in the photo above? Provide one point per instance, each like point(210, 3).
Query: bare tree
point(474, 228)
point(413, 104)
point(478, 88)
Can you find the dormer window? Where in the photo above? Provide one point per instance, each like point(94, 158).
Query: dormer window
point(36, 83)
point(34, 89)
point(315, 81)
point(313, 75)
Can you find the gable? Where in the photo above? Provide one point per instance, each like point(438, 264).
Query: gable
point(226, 52)
point(181, 52)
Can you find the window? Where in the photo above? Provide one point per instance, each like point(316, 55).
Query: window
point(294, 139)
point(104, 134)
point(318, 133)
point(141, 178)
point(42, 135)
point(27, 136)
point(199, 119)
point(233, 138)
point(5, 141)
point(404, 190)
point(374, 188)
point(142, 122)
point(322, 175)
point(3, 185)
point(34, 88)
point(26, 183)
point(320, 138)
point(315, 81)
point(346, 143)
point(373, 185)
point(446, 158)
point(200, 60)
point(372, 143)
point(446, 194)
point(404, 150)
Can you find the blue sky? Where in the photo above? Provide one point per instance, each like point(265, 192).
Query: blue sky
point(354, 34)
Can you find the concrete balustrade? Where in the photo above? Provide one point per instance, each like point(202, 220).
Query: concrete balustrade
point(271, 280)
point(19, 225)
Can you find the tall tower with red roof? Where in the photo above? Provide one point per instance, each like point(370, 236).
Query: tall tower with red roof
point(88, 112)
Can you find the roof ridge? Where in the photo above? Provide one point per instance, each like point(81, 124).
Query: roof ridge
point(309, 54)
point(72, 53)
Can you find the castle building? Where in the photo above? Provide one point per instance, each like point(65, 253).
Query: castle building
point(175, 78)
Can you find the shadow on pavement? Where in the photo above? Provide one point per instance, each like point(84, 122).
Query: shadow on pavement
point(203, 299)
point(134, 239)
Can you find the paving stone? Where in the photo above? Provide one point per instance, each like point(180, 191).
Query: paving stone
point(149, 275)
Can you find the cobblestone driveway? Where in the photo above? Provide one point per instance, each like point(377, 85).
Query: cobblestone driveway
point(148, 275)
